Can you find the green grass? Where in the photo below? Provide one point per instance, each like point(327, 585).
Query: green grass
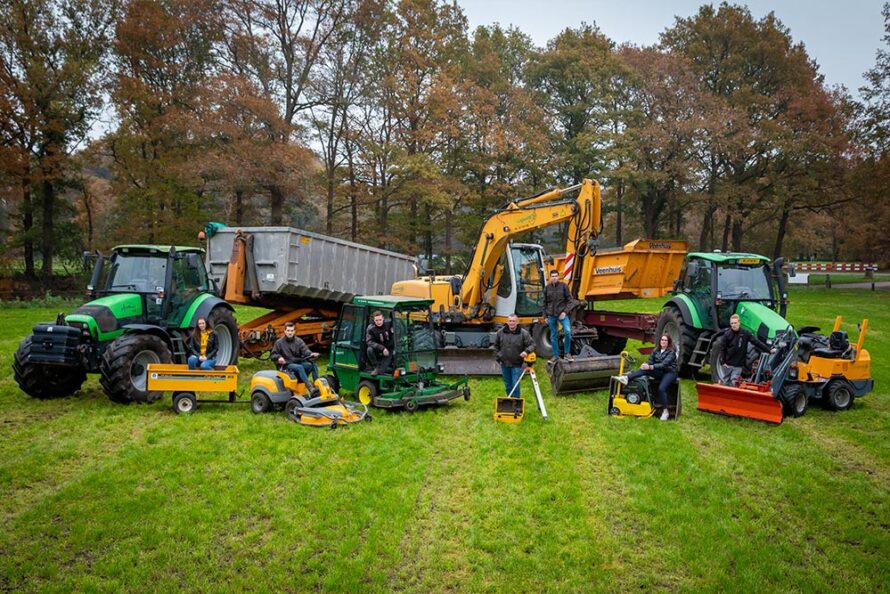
point(818, 279)
point(103, 497)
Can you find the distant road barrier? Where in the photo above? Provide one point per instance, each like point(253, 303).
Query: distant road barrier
point(835, 267)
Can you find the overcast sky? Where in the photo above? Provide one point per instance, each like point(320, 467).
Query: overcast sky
point(841, 35)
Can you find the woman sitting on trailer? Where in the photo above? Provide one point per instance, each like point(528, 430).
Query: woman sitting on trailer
point(202, 346)
point(661, 367)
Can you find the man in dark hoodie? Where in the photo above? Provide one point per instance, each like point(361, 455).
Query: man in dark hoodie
point(291, 353)
point(512, 344)
point(735, 350)
point(379, 342)
point(557, 299)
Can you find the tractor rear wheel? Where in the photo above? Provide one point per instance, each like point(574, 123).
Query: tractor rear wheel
point(683, 335)
point(44, 381)
point(124, 367)
point(224, 325)
point(794, 400)
point(839, 395)
point(718, 372)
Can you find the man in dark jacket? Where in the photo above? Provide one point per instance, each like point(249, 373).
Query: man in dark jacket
point(291, 353)
point(734, 353)
point(512, 344)
point(556, 304)
point(379, 343)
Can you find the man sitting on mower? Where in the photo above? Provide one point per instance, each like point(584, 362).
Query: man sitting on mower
point(735, 350)
point(662, 367)
point(293, 356)
point(380, 342)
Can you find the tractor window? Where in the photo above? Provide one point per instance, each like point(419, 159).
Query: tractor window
point(504, 282)
point(529, 272)
point(142, 273)
point(744, 283)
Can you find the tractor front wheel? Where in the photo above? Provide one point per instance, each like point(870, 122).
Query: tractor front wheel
point(683, 335)
point(124, 367)
point(45, 381)
point(366, 391)
point(225, 327)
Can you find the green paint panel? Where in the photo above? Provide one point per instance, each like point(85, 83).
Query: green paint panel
point(190, 313)
point(389, 301)
point(723, 257)
point(696, 318)
point(752, 315)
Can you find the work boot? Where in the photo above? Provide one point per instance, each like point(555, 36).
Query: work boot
point(554, 358)
point(375, 371)
point(569, 358)
point(621, 379)
point(665, 415)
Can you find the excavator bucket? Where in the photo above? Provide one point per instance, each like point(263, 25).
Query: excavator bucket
point(468, 361)
point(584, 373)
point(752, 401)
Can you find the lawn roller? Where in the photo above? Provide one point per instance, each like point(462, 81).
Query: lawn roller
point(512, 410)
point(639, 397)
point(588, 370)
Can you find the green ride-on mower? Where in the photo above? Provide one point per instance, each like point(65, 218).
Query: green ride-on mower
point(713, 287)
point(411, 381)
point(146, 298)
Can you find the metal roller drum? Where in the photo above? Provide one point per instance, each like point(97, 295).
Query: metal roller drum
point(582, 374)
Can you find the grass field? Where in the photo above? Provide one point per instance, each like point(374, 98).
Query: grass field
point(102, 497)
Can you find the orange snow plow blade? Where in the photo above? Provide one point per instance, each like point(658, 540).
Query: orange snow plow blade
point(751, 401)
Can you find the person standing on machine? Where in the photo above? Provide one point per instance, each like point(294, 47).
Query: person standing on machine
point(557, 299)
point(512, 344)
point(662, 368)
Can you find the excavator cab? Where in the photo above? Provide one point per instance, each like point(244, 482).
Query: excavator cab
point(520, 288)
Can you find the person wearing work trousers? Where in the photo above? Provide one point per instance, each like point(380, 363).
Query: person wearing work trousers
point(292, 354)
point(556, 303)
point(512, 344)
point(662, 368)
point(735, 350)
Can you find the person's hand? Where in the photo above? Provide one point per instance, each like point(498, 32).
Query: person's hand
point(202, 358)
point(773, 350)
point(385, 352)
point(523, 354)
point(281, 360)
point(316, 355)
point(562, 316)
point(644, 367)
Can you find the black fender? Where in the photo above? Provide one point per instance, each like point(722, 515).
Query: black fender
point(209, 305)
point(149, 329)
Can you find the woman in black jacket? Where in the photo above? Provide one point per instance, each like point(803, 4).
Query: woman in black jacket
point(662, 367)
point(202, 346)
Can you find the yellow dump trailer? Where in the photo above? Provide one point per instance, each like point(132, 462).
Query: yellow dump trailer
point(186, 383)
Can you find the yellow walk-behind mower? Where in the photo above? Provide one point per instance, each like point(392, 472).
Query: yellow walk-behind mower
point(320, 408)
point(638, 398)
point(809, 367)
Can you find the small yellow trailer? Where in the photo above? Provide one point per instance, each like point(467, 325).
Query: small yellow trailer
point(187, 383)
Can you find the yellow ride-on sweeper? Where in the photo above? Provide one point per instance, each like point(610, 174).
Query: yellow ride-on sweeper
point(637, 399)
point(810, 367)
point(320, 408)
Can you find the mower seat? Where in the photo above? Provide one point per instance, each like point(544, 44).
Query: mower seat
point(838, 347)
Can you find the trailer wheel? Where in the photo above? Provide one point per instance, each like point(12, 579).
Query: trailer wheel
point(184, 403)
point(839, 395)
point(259, 403)
point(794, 400)
point(671, 322)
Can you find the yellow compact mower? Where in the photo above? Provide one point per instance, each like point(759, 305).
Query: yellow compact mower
point(637, 399)
point(320, 408)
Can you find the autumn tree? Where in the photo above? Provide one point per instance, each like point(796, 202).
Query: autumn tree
point(51, 71)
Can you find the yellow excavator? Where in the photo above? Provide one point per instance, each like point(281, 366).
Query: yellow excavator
point(504, 277)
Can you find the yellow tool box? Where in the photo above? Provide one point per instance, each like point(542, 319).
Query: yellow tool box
point(509, 410)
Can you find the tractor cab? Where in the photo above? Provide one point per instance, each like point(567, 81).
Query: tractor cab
point(411, 380)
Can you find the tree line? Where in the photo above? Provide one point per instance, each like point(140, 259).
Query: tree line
point(391, 123)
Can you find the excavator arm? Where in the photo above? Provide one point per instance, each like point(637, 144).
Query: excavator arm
point(583, 212)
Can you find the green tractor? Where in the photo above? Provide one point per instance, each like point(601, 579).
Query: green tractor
point(711, 288)
point(412, 382)
point(150, 298)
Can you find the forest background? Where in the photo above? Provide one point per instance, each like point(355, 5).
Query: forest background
point(392, 124)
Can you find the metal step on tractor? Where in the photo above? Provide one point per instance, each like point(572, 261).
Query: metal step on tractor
point(711, 288)
point(146, 298)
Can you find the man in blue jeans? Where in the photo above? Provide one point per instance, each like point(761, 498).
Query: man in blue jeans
point(556, 304)
point(512, 344)
point(291, 353)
